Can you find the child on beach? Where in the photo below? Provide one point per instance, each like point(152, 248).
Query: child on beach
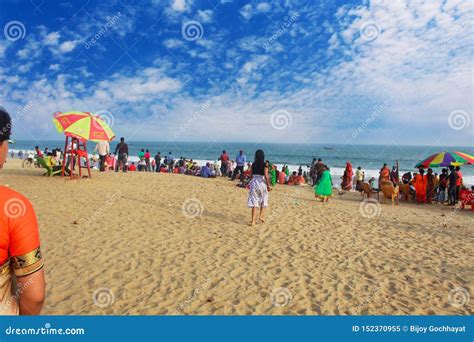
point(259, 187)
point(22, 283)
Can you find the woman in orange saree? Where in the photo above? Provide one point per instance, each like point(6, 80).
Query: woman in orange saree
point(22, 284)
point(420, 183)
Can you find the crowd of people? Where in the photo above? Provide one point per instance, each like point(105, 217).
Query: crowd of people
point(420, 187)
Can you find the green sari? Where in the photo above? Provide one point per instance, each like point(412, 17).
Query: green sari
point(324, 185)
point(273, 176)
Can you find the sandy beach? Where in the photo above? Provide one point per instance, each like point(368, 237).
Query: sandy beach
point(161, 244)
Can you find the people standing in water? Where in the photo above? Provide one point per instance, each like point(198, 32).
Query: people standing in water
point(122, 150)
point(22, 284)
point(259, 187)
point(323, 188)
point(346, 183)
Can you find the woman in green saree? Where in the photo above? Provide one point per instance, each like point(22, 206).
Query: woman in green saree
point(273, 175)
point(323, 188)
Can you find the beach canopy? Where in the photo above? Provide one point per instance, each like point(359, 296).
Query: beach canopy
point(446, 159)
point(83, 125)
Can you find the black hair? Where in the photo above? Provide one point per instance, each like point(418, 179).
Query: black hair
point(258, 165)
point(122, 139)
point(458, 168)
point(5, 125)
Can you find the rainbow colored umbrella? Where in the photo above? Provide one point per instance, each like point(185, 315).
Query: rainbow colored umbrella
point(446, 159)
point(83, 125)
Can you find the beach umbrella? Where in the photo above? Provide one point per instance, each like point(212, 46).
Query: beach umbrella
point(83, 125)
point(446, 159)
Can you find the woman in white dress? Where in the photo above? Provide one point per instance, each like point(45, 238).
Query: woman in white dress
point(259, 187)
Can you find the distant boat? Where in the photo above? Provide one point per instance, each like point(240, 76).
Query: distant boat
point(329, 148)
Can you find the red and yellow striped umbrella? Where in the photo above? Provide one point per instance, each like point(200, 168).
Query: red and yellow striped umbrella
point(446, 159)
point(83, 125)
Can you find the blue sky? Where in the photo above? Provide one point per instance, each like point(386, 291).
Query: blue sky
point(381, 72)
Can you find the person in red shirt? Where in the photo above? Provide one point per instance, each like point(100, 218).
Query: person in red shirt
point(38, 152)
point(147, 160)
point(22, 284)
point(224, 163)
point(132, 167)
point(458, 181)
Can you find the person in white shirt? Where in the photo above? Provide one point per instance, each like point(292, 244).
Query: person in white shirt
point(103, 148)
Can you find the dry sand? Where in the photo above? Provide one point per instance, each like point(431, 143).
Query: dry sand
point(125, 244)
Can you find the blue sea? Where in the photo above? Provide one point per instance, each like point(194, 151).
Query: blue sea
point(370, 157)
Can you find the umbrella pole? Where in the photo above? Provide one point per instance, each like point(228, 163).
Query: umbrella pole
point(87, 161)
point(65, 157)
point(72, 159)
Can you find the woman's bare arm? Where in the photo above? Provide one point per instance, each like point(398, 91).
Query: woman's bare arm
point(267, 177)
point(31, 292)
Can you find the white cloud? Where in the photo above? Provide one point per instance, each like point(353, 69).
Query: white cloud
point(263, 7)
point(173, 43)
point(246, 11)
point(51, 38)
point(205, 16)
point(3, 48)
point(68, 46)
point(54, 67)
point(179, 5)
